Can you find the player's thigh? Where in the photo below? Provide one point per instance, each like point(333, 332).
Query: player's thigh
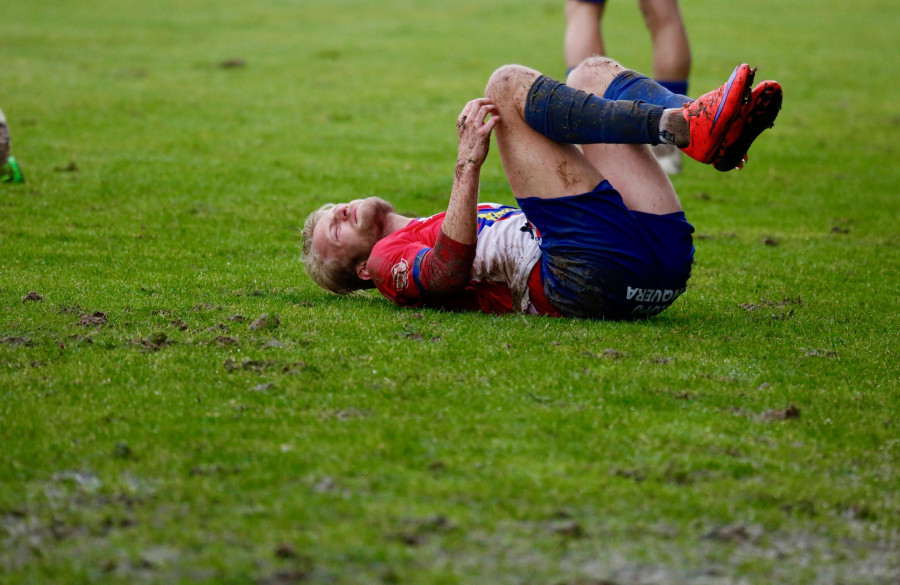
point(535, 165)
point(539, 167)
point(636, 174)
point(660, 13)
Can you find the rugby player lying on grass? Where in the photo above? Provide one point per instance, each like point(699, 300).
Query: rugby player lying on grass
point(598, 232)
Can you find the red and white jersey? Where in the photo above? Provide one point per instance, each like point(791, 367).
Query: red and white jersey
point(505, 273)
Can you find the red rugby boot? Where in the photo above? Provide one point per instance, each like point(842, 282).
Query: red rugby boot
point(711, 115)
point(758, 115)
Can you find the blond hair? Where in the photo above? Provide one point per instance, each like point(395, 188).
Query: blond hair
point(333, 275)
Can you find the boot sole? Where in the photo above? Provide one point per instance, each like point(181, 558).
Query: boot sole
point(761, 118)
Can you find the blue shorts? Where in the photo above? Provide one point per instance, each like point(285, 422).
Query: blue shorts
point(601, 260)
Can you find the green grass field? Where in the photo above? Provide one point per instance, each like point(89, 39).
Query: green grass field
point(180, 404)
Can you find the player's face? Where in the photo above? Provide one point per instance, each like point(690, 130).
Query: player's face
point(349, 231)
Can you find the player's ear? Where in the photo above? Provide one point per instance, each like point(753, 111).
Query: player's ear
point(362, 271)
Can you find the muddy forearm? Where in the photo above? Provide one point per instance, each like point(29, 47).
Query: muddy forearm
point(448, 265)
point(461, 222)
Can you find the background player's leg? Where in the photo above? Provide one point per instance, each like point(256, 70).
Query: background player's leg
point(671, 62)
point(584, 34)
point(10, 172)
point(4, 139)
point(671, 51)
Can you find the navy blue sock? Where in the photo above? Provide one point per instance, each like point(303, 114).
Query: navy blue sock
point(631, 85)
point(569, 115)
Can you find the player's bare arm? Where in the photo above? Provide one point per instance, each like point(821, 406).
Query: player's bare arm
point(448, 266)
point(474, 131)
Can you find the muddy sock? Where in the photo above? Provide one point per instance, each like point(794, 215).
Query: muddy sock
point(569, 115)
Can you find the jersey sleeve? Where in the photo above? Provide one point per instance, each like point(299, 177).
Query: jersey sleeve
point(407, 270)
point(447, 268)
point(395, 266)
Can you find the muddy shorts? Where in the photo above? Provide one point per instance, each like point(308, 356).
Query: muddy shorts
point(600, 260)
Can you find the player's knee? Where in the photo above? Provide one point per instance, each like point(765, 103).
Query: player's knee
point(594, 71)
point(508, 80)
